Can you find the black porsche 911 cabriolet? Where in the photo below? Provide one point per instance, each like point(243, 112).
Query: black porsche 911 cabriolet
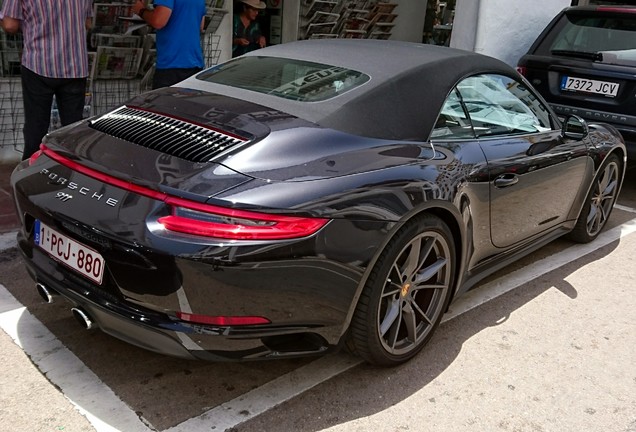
point(305, 197)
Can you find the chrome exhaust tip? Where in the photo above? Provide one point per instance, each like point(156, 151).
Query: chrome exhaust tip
point(46, 293)
point(83, 318)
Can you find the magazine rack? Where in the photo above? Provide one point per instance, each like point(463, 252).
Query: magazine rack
point(346, 19)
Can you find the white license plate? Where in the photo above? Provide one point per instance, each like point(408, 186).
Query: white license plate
point(585, 85)
point(75, 255)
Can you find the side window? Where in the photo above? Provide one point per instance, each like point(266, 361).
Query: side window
point(500, 105)
point(452, 122)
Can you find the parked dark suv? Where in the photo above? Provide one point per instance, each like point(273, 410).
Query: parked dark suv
point(584, 63)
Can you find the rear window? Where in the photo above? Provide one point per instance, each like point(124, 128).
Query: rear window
point(285, 78)
point(599, 37)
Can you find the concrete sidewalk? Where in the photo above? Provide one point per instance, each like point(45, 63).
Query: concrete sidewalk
point(29, 401)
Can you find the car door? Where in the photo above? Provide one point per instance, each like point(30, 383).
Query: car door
point(534, 173)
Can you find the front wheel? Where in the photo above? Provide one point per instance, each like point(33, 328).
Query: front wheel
point(406, 294)
point(599, 202)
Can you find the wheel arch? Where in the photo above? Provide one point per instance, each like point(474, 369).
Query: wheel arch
point(446, 212)
point(621, 152)
point(605, 148)
point(622, 156)
point(358, 334)
point(598, 162)
point(454, 221)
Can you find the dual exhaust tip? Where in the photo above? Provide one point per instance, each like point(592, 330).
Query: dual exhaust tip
point(81, 316)
point(47, 294)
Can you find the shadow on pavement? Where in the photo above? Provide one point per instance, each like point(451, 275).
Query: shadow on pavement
point(366, 391)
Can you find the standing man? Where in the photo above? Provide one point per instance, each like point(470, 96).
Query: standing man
point(54, 61)
point(179, 24)
point(246, 33)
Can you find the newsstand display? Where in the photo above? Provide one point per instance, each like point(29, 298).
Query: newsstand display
point(346, 19)
point(121, 63)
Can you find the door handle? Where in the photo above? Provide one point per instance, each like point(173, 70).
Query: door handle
point(506, 180)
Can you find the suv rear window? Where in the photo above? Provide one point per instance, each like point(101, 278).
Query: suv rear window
point(286, 78)
point(608, 38)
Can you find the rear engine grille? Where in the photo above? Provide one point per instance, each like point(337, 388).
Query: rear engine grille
point(165, 134)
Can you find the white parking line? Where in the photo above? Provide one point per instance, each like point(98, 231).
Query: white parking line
point(267, 396)
point(624, 208)
point(8, 240)
point(107, 412)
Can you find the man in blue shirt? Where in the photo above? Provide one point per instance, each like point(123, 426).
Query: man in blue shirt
point(179, 24)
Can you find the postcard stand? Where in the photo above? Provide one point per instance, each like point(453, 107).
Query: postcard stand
point(346, 19)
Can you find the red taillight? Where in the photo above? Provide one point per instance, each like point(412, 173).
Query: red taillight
point(201, 219)
point(34, 157)
point(521, 70)
point(220, 222)
point(223, 320)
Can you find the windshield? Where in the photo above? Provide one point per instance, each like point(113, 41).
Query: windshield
point(608, 39)
point(286, 78)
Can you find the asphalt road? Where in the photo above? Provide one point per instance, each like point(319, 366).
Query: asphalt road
point(548, 344)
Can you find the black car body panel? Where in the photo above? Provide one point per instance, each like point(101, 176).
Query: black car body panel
point(601, 55)
point(111, 183)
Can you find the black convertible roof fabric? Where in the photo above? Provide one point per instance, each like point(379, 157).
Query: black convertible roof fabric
point(409, 83)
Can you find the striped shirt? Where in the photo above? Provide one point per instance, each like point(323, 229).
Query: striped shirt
point(54, 33)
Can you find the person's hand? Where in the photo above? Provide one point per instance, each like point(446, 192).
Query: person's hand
point(243, 42)
point(261, 41)
point(138, 6)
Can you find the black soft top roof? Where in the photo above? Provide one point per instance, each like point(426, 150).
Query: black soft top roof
point(409, 83)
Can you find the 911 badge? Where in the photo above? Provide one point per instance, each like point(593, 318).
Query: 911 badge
point(63, 196)
point(55, 178)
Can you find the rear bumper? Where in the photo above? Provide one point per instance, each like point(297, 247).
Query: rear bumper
point(163, 333)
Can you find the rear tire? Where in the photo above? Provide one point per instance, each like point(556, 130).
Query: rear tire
point(406, 294)
point(599, 202)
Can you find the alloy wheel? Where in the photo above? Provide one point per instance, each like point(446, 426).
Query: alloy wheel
point(414, 293)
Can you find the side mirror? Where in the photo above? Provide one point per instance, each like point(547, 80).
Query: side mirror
point(574, 127)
